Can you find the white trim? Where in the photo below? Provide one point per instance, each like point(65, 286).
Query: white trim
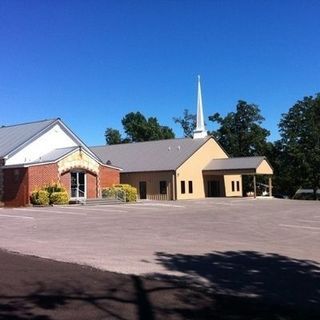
point(32, 164)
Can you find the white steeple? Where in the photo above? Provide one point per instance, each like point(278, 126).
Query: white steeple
point(200, 131)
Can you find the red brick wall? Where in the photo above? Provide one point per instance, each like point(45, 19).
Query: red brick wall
point(19, 183)
point(109, 176)
point(15, 182)
point(65, 180)
point(42, 175)
point(91, 185)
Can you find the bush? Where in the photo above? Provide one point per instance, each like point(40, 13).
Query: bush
point(53, 193)
point(54, 187)
point(40, 197)
point(60, 197)
point(123, 191)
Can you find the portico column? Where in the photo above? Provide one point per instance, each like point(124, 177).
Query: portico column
point(173, 189)
point(270, 186)
point(254, 186)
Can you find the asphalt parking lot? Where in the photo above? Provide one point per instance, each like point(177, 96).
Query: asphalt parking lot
point(143, 238)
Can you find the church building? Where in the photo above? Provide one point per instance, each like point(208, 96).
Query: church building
point(188, 168)
point(38, 153)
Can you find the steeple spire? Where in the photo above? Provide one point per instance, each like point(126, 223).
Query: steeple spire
point(200, 131)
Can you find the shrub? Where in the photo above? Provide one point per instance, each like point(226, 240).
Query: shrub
point(108, 193)
point(40, 197)
point(53, 193)
point(131, 193)
point(59, 197)
point(55, 187)
point(124, 191)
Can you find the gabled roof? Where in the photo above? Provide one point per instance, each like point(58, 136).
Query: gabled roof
point(12, 137)
point(57, 154)
point(244, 163)
point(162, 155)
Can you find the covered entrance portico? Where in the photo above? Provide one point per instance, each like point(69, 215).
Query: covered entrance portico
point(223, 177)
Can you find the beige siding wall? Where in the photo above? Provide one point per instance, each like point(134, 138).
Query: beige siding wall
point(191, 170)
point(264, 168)
point(235, 181)
point(152, 180)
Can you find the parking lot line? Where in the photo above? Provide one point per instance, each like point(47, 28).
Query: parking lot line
point(298, 227)
point(99, 208)
point(13, 216)
point(145, 204)
point(51, 211)
point(305, 220)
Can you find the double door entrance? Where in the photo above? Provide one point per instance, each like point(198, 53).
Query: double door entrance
point(78, 184)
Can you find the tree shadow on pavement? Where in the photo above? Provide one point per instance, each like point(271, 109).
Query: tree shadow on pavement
point(251, 285)
point(218, 285)
point(41, 289)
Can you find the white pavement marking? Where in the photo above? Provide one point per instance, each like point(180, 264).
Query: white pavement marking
point(12, 216)
point(51, 211)
point(98, 208)
point(298, 227)
point(156, 205)
point(305, 220)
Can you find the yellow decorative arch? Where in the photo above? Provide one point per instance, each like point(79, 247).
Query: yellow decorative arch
point(78, 160)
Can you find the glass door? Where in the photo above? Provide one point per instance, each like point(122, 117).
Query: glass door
point(78, 184)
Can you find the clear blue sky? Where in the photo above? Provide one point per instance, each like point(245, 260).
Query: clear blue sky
point(92, 62)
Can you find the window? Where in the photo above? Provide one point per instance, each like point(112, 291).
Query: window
point(238, 185)
point(163, 187)
point(232, 186)
point(183, 187)
point(190, 187)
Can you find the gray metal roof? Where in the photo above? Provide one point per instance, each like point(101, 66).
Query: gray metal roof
point(56, 154)
point(159, 155)
point(12, 137)
point(234, 163)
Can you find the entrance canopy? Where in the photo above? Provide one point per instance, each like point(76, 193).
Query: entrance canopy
point(240, 165)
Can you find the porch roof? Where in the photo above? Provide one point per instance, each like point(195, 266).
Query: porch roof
point(239, 165)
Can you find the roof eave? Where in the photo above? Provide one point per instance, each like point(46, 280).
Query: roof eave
point(33, 138)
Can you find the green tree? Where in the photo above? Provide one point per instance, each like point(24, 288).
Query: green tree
point(187, 122)
point(300, 145)
point(112, 136)
point(135, 126)
point(240, 132)
point(138, 128)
